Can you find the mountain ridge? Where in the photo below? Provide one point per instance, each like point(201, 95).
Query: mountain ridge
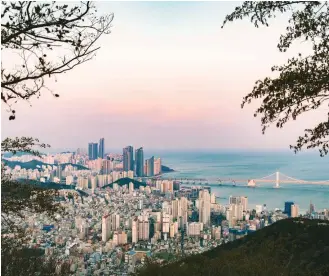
point(294, 247)
point(34, 163)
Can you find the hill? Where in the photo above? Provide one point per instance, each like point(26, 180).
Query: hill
point(34, 163)
point(52, 185)
point(294, 247)
point(126, 181)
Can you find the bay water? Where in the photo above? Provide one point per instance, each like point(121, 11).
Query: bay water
point(255, 165)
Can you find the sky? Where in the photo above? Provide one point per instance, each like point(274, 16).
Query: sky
point(167, 77)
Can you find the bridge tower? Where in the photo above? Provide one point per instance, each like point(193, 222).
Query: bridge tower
point(277, 180)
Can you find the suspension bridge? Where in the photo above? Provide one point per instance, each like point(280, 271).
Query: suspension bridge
point(276, 178)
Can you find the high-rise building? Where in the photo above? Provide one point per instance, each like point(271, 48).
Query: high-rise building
point(234, 200)
point(174, 208)
point(204, 207)
point(134, 230)
point(101, 148)
point(139, 158)
point(131, 187)
point(287, 207)
point(182, 212)
point(149, 163)
point(128, 158)
point(107, 166)
point(119, 237)
point(243, 200)
point(93, 151)
point(236, 211)
point(165, 223)
point(115, 221)
point(194, 228)
point(294, 211)
point(106, 225)
point(143, 228)
point(157, 166)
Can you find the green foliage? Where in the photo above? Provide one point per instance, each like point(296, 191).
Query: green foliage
point(166, 256)
point(20, 144)
point(302, 83)
point(297, 247)
point(52, 186)
point(34, 31)
point(18, 200)
point(26, 261)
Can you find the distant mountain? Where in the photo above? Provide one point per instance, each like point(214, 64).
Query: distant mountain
point(290, 247)
point(166, 169)
point(34, 163)
point(19, 153)
point(126, 181)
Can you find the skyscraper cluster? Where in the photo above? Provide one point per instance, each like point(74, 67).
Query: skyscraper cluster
point(96, 151)
point(151, 167)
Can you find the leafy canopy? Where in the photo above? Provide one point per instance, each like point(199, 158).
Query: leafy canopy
point(303, 82)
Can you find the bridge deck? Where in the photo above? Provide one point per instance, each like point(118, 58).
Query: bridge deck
point(218, 181)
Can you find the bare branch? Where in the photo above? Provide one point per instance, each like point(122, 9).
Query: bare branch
point(38, 28)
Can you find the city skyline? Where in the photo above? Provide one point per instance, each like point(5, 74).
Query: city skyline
point(174, 75)
point(133, 135)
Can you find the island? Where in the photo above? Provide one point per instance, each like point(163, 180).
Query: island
point(166, 169)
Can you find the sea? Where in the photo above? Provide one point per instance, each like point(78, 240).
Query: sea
point(255, 165)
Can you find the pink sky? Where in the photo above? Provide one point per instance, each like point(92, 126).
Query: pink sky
point(166, 77)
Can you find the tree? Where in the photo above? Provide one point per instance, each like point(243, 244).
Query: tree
point(37, 32)
point(19, 197)
point(302, 83)
point(18, 201)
